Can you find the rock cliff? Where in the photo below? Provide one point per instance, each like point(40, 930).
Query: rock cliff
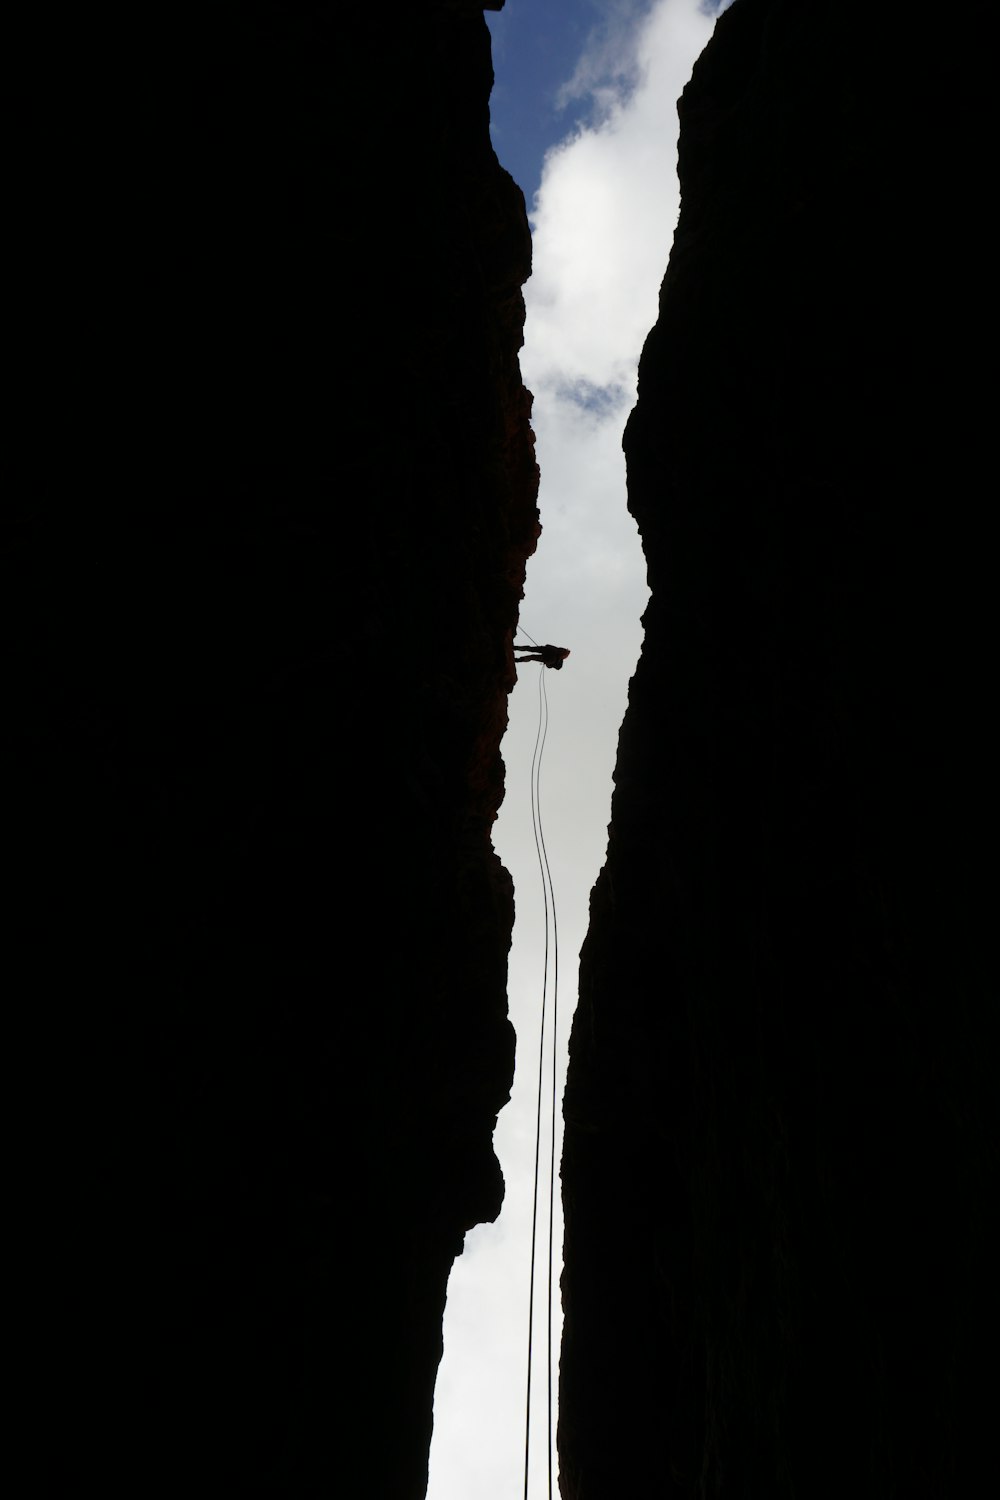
point(263, 566)
point(778, 1115)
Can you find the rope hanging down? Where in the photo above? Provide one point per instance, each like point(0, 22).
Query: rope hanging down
point(548, 894)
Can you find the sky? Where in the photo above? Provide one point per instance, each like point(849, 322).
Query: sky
point(583, 115)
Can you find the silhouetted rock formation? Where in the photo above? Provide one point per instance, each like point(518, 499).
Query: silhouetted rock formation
point(779, 1157)
point(264, 571)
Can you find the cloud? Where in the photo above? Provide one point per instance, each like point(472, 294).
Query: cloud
point(602, 224)
point(604, 215)
point(609, 67)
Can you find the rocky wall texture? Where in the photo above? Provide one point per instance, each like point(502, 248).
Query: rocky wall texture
point(262, 569)
point(779, 1127)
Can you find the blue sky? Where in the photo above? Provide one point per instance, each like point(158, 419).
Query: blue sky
point(536, 44)
point(584, 118)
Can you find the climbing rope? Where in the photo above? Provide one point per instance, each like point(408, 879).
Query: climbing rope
point(548, 894)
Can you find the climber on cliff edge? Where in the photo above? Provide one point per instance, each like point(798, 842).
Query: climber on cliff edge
point(549, 656)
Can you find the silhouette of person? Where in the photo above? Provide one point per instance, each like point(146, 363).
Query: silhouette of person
point(549, 656)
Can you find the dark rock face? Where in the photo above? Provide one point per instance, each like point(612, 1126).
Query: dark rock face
point(778, 1121)
point(263, 574)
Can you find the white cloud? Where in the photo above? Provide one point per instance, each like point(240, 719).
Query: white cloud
point(605, 213)
point(602, 226)
point(609, 67)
